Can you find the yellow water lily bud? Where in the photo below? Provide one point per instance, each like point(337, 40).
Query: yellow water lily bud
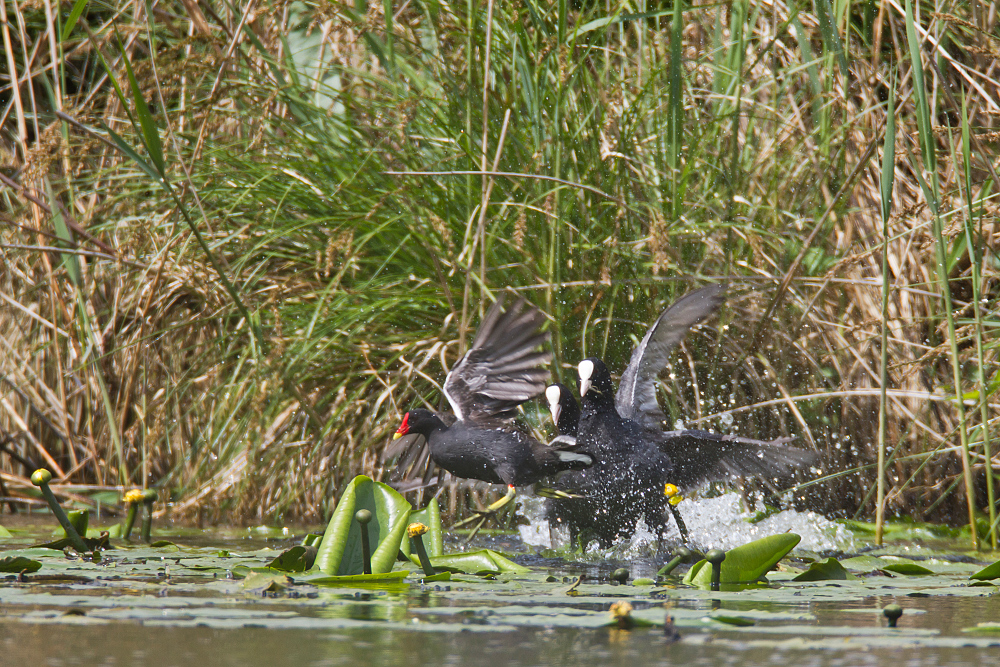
point(621, 609)
point(415, 529)
point(134, 496)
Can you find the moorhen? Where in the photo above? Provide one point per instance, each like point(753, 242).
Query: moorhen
point(500, 371)
point(635, 458)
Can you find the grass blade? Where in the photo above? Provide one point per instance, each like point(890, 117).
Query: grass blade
point(885, 190)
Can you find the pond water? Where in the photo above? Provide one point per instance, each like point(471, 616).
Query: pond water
point(187, 603)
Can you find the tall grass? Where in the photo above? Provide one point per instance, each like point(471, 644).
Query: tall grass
point(284, 221)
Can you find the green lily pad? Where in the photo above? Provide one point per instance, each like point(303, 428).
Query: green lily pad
point(261, 582)
point(745, 563)
point(296, 559)
point(911, 569)
point(826, 570)
point(340, 551)
point(739, 621)
point(19, 564)
point(433, 540)
point(481, 562)
point(319, 579)
point(988, 572)
point(4, 532)
point(988, 628)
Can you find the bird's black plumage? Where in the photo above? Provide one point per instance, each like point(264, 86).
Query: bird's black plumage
point(500, 371)
point(635, 458)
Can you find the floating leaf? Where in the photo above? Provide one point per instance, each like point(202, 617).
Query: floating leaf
point(745, 563)
point(480, 563)
point(340, 551)
point(988, 572)
point(19, 564)
point(430, 516)
point(739, 621)
point(825, 570)
point(911, 569)
point(261, 582)
point(988, 628)
point(4, 532)
point(318, 579)
point(296, 559)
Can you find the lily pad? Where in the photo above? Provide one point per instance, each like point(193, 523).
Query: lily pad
point(296, 559)
point(430, 516)
point(340, 551)
point(826, 570)
point(318, 579)
point(988, 628)
point(988, 572)
point(481, 562)
point(19, 564)
point(746, 563)
point(911, 569)
point(4, 532)
point(261, 582)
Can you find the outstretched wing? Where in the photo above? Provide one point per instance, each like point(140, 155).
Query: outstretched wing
point(504, 367)
point(702, 456)
point(636, 397)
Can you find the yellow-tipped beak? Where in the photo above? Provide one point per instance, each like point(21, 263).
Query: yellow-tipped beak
point(397, 436)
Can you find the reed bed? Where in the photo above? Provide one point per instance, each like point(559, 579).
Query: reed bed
point(240, 241)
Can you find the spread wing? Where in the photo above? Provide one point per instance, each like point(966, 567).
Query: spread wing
point(504, 367)
point(636, 397)
point(701, 456)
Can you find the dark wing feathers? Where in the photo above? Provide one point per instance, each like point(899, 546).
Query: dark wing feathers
point(701, 456)
point(636, 397)
point(503, 368)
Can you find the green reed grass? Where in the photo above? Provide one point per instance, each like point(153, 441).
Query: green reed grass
point(315, 211)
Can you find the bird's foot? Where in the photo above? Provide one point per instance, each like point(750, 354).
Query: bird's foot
point(484, 514)
point(558, 494)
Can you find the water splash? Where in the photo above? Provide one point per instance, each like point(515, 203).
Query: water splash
point(712, 523)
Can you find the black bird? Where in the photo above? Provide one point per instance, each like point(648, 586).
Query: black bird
point(635, 458)
point(500, 371)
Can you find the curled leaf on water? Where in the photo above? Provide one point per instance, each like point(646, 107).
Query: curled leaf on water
point(259, 582)
point(746, 563)
point(340, 552)
point(988, 572)
point(18, 564)
point(987, 628)
point(296, 559)
point(430, 516)
point(826, 570)
point(482, 562)
point(911, 569)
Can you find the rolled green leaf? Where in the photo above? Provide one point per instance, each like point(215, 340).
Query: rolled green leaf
point(747, 563)
point(340, 552)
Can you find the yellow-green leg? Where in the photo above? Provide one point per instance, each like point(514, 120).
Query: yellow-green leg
point(483, 515)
